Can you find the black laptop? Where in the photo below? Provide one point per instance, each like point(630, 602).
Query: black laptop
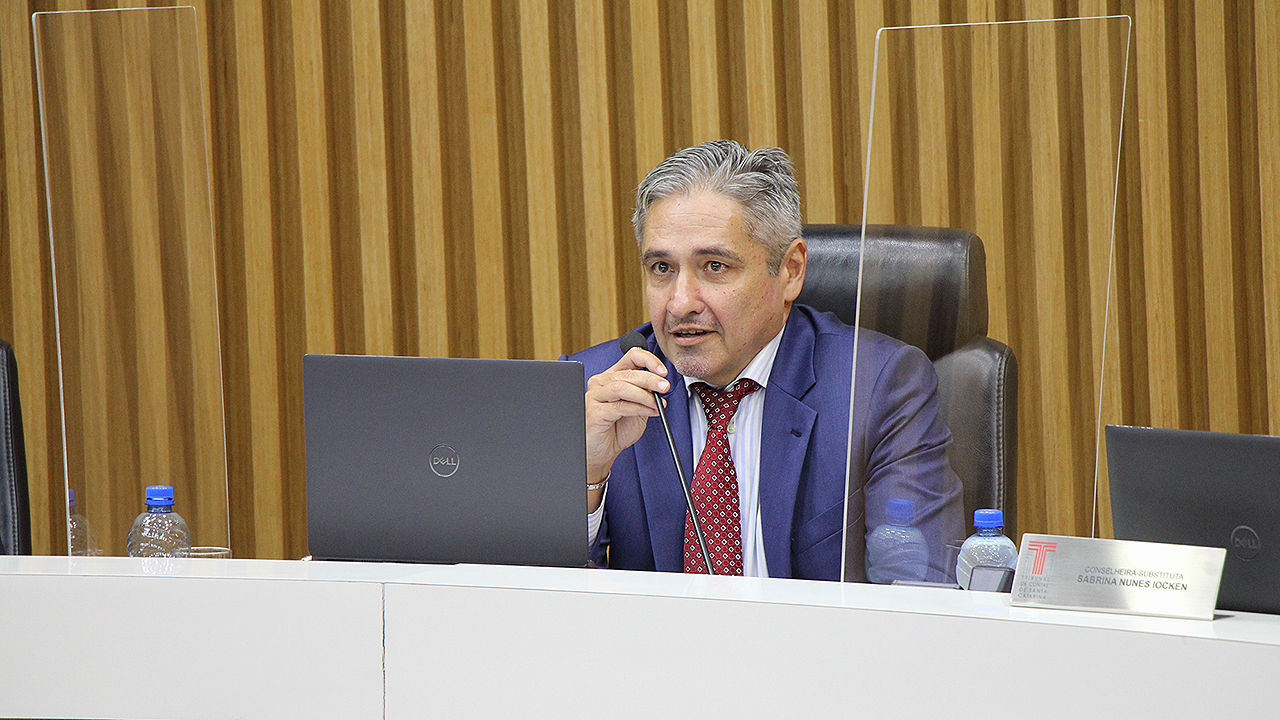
point(1203, 488)
point(445, 460)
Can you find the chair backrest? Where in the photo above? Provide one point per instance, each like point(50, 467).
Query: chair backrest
point(15, 511)
point(928, 287)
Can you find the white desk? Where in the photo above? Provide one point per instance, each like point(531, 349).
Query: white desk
point(272, 639)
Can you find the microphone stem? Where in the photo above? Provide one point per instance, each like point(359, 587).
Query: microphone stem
point(684, 485)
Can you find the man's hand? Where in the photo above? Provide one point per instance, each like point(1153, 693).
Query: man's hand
point(619, 403)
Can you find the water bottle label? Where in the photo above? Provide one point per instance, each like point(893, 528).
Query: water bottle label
point(159, 535)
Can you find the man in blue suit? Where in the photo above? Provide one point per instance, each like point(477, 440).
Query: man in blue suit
point(757, 391)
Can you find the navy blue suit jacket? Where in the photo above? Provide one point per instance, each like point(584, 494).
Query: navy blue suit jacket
point(899, 450)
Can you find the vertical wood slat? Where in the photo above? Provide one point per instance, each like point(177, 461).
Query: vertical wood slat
point(1267, 34)
point(539, 131)
point(1163, 359)
point(260, 283)
point(1101, 166)
point(1216, 233)
point(1100, 162)
point(877, 186)
point(94, 422)
point(126, 379)
point(142, 220)
point(817, 176)
point(208, 442)
point(313, 185)
point(931, 118)
point(647, 101)
point(486, 191)
point(646, 59)
point(597, 178)
point(762, 100)
point(371, 174)
point(704, 75)
point(1049, 271)
point(428, 184)
point(988, 159)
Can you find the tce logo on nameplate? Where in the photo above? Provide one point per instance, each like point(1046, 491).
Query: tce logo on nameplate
point(1139, 578)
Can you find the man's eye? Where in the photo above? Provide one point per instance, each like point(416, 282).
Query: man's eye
point(715, 266)
point(661, 268)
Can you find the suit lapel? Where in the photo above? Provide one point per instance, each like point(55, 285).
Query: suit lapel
point(784, 440)
point(659, 483)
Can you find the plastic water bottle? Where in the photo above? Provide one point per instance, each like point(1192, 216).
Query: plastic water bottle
point(159, 532)
point(986, 547)
point(897, 550)
point(78, 528)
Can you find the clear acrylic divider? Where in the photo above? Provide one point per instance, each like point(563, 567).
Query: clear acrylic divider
point(1011, 131)
point(131, 233)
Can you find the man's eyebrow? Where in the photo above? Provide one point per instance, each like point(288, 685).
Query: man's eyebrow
point(712, 251)
point(718, 251)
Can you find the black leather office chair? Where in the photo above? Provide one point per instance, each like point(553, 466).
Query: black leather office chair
point(15, 511)
point(928, 287)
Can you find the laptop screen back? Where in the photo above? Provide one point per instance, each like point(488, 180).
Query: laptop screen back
point(1203, 488)
point(445, 460)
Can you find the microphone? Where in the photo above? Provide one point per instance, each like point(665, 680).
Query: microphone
point(634, 339)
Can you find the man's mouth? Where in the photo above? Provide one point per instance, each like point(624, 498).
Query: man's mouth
point(689, 334)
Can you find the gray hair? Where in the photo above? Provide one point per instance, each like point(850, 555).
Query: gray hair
point(762, 181)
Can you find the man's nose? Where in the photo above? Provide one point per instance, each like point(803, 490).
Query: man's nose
point(686, 295)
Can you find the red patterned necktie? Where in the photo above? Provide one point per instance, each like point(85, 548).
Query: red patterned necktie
point(715, 486)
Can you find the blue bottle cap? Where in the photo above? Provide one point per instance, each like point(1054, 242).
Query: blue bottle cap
point(988, 518)
point(900, 509)
point(159, 494)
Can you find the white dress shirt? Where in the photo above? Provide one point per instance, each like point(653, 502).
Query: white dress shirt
point(744, 447)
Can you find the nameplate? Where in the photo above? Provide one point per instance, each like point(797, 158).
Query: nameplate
point(1123, 576)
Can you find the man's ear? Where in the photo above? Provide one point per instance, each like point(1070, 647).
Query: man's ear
point(792, 268)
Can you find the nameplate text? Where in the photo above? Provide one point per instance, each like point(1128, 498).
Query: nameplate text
point(1123, 576)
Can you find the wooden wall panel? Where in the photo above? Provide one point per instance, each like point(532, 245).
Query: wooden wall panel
point(597, 169)
point(260, 274)
point(544, 262)
point(1267, 65)
point(310, 155)
point(486, 191)
point(758, 73)
point(705, 42)
point(1154, 97)
point(859, 31)
point(988, 161)
point(1216, 231)
point(647, 82)
point(1101, 179)
point(1052, 284)
point(453, 178)
point(427, 198)
point(818, 172)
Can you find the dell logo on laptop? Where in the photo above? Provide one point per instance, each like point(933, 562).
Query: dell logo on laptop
point(1245, 543)
point(444, 461)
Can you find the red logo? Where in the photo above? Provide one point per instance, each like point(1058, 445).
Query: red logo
point(1042, 550)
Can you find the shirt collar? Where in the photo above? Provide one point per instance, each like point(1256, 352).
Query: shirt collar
point(758, 369)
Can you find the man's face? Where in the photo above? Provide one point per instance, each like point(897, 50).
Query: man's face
point(712, 300)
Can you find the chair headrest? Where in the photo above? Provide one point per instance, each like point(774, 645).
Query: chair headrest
point(924, 286)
